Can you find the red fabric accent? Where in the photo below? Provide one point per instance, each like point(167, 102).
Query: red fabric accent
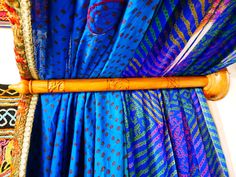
point(3, 16)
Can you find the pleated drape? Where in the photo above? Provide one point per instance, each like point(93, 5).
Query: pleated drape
point(130, 133)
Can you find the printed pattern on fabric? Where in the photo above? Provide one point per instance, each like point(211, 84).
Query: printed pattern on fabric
point(184, 116)
point(70, 42)
point(171, 135)
point(69, 46)
point(165, 40)
point(214, 151)
point(104, 16)
point(147, 136)
point(221, 37)
point(167, 35)
point(90, 128)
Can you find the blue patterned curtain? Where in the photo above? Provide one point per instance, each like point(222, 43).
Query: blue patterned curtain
point(131, 133)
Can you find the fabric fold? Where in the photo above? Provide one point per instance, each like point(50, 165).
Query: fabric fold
point(130, 133)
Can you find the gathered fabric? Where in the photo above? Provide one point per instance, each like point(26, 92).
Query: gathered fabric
point(128, 133)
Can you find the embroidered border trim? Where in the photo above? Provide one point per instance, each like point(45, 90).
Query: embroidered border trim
point(27, 136)
point(25, 7)
point(20, 17)
point(20, 127)
point(27, 34)
point(8, 93)
point(6, 133)
point(13, 7)
point(6, 102)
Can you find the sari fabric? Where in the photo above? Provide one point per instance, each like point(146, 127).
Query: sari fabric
point(130, 133)
point(83, 134)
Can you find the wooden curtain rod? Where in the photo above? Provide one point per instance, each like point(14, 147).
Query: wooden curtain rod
point(215, 86)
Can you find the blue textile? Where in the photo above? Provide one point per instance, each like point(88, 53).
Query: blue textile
point(83, 134)
point(132, 133)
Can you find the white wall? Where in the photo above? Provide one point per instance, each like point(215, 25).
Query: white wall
point(8, 70)
point(224, 113)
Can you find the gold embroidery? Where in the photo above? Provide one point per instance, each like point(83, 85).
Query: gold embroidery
point(28, 39)
point(19, 16)
point(20, 127)
point(27, 134)
point(7, 92)
point(13, 7)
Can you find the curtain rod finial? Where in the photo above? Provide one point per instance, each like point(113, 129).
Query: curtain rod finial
point(21, 87)
point(218, 85)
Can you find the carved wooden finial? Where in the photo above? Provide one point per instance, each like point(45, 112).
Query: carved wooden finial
point(22, 87)
point(218, 85)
